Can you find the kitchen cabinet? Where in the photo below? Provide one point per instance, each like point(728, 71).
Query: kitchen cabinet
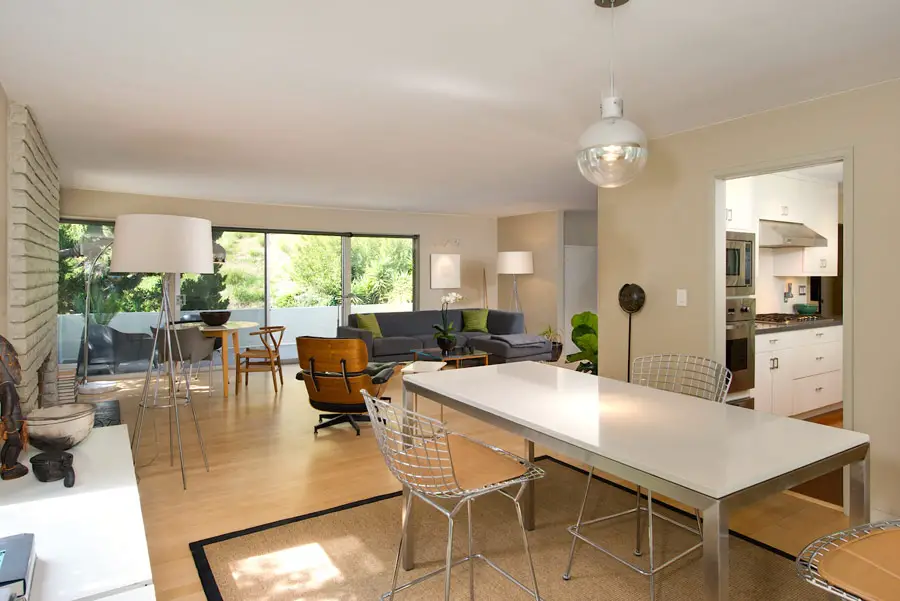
point(778, 198)
point(773, 391)
point(817, 203)
point(799, 371)
point(740, 215)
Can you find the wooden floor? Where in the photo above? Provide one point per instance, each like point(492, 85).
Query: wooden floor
point(266, 465)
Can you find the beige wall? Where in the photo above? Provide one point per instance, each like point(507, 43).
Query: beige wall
point(4, 208)
point(474, 238)
point(540, 293)
point(660, 231)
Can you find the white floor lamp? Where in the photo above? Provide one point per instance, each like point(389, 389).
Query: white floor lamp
point(165, 244)
point(515, 263)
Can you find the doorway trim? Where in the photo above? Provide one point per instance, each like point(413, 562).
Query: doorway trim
point(717, 281)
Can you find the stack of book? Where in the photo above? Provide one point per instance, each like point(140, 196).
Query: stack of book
point(66, 380)
point(17, 561)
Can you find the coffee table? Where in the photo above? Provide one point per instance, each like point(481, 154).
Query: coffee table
point(456, 356)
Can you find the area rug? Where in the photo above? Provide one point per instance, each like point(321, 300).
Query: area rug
point(347, 553)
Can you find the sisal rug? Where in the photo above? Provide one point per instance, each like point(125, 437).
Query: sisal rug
point(347, 553)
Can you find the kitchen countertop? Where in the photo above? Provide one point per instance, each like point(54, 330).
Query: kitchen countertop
point(772, 328)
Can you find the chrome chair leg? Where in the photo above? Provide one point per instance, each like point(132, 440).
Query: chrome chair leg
point(650, 542)
point(699, 522)
point(640, 532)
point(403, 529)
point(449, 559)
point(587, 490)
point(534, 583)
point(471, 554)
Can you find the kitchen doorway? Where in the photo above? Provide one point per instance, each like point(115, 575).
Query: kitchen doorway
point(787, 225)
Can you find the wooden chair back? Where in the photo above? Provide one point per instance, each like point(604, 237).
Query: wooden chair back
point(333, 369)
point(271, 337)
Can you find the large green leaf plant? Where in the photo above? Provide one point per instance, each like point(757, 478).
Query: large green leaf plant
point(584, 335)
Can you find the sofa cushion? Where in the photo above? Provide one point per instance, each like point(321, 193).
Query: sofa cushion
point(505, 322)
point(395, 345)
point(501, 349)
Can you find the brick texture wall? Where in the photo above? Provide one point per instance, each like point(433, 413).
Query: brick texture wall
point(32, 255)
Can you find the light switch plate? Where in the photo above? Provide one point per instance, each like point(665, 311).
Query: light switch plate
point(681, 297)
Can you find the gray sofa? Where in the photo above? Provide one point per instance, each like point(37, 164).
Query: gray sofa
point(404, 331)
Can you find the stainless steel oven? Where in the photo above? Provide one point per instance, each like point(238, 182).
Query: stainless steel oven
point(740, 342)
point(740, 271)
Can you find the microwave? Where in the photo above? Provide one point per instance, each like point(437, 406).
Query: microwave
point(740, 272)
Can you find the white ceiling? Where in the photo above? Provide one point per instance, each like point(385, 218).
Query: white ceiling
point(465, 106)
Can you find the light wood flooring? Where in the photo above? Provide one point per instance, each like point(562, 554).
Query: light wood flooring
point(265, 465)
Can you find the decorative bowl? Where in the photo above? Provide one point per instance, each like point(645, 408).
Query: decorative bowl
point(805, 309)
point(61, 427)
point(215, 318)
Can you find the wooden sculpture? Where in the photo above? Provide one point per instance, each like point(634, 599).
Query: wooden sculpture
point(12, 427)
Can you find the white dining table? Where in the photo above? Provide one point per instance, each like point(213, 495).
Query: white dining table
point(711, 456)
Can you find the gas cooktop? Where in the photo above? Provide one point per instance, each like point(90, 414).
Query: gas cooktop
point(786, 318)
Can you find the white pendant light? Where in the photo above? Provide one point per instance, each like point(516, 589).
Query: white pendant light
point(613, 150)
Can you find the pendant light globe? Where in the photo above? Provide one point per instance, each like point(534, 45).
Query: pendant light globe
point(613, 150)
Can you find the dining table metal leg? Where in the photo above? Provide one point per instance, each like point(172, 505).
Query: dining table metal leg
point(407, 547)
point(715, 552)
point(528, 495)
point(860, 503)
point(225, 360)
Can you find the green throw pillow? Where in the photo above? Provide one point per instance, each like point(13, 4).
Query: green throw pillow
point(475, 320)
point(368, 321)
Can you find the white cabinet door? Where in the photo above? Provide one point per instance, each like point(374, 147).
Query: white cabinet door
point(777, 198)
point(762, 388)
point(821, 200)
point(739, 205)
point(782, 382)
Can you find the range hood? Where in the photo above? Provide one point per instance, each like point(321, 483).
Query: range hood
point(788, 234)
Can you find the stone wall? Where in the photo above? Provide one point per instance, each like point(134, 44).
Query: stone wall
point(32, 250)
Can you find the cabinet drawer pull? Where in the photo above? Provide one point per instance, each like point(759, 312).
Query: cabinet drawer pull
point(773, 340)
point(820, 334)
point(819, 389)
point(819, 358)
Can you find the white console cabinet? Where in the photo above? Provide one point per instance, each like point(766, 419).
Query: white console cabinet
point(89, 539)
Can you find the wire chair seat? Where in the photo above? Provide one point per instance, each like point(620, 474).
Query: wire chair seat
point(434, 464)
point(811, 559)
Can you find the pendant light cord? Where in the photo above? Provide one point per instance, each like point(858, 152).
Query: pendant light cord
point(612, 46)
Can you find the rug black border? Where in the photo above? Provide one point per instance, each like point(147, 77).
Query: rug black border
point(211, 589)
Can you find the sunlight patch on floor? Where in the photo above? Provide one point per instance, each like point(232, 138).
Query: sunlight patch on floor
point(301, 569)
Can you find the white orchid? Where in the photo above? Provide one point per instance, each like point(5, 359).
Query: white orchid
point(451, 298)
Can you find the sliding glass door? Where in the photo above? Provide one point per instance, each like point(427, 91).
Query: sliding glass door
point(305, 286)
point(308, 282)
point(381, 274)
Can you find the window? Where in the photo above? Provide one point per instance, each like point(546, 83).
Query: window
point(308, 282)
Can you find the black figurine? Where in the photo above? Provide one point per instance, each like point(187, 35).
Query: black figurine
point(12, 430)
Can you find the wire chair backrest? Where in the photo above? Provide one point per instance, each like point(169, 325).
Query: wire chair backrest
point(685, 374)
point(415, 448)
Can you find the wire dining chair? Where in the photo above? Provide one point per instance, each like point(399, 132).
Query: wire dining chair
point(819, 563)
point(682, 374)
point(420, 451)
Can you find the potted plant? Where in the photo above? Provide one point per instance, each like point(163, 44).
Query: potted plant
point(584, 335)
point(556, 347)
point(444, 330)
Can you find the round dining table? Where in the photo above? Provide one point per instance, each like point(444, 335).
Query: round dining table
point(222, 332)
